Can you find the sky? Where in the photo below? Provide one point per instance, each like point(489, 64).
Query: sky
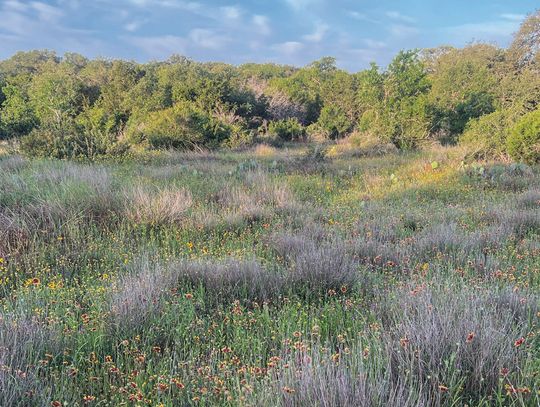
point(296, 32)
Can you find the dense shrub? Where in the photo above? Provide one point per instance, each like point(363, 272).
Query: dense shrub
point(287, 129)
point(71, 140)
point(182, 126)
point(524, 140)
point(62, 141)
point(486, 136)
point(333, 123)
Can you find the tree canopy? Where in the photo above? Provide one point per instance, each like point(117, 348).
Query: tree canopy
point(476, 94)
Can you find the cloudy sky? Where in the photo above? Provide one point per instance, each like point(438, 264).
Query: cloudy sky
point(236, 31)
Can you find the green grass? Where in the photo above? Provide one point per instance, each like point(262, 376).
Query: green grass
point(415, 242)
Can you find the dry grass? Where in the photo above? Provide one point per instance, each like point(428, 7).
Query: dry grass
point(264, 151)
point(157, 206)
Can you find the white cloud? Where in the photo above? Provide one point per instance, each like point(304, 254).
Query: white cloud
point(302, 4)
point(160, 46)
point(262, 24)
point(401, 30)
point(132, 26)
point(231, 12)
point(289, 47)
point(374, 44)
point(46, 12)
point(362, 17)
point(396, 15)
point(15, 5)
point(498, 31)
point(318, 34)
point(513, 17)
point(207, 38)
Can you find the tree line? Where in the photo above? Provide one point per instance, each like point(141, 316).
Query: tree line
point(481, 95)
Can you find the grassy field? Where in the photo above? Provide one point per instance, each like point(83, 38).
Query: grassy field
point(270, 278)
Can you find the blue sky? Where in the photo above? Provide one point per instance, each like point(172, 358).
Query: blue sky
point(237, 31)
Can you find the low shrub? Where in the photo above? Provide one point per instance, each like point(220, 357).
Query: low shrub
point(523, 142)
point(287, 130)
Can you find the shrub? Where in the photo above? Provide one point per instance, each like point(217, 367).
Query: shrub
point(524, 140)
point(182, 127)
point(287, 129)
point(332, 124)
point(486, 136)
point(62, 141)
point(69, 140)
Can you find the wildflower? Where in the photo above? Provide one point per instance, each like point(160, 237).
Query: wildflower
point(56, 404)
point(343, 289)
point(189, 296)
point(404, 342)
point(288, 390)
point(35, 281)
point(331, 293)
point(297, 334)
point(156, 349)
point(504, 371)
point(179, 385)
point(443, 388)
point(88, 399)
point(519, 342)
point(190, 245)
point(162, 386)
point(470, 337)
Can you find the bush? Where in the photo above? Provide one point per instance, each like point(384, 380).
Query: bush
point(181, 126)
point(287, 130)
point(523, 143)
point(186, 127)
point(70, 140)
point(486, 136)
point(56, 141)
point(333, 123)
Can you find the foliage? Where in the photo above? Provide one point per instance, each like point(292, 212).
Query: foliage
point(287, 130)
point(332, 124)
point(182, 126)
point(463, 88)
point(524, 139)
point(486, 136)
point(429, 95)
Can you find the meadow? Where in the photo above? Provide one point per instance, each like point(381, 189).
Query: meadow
point(265, 277)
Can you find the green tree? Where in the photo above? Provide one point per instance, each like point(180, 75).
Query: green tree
point(463, 88)
point(17, 115)
point(56, 95)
